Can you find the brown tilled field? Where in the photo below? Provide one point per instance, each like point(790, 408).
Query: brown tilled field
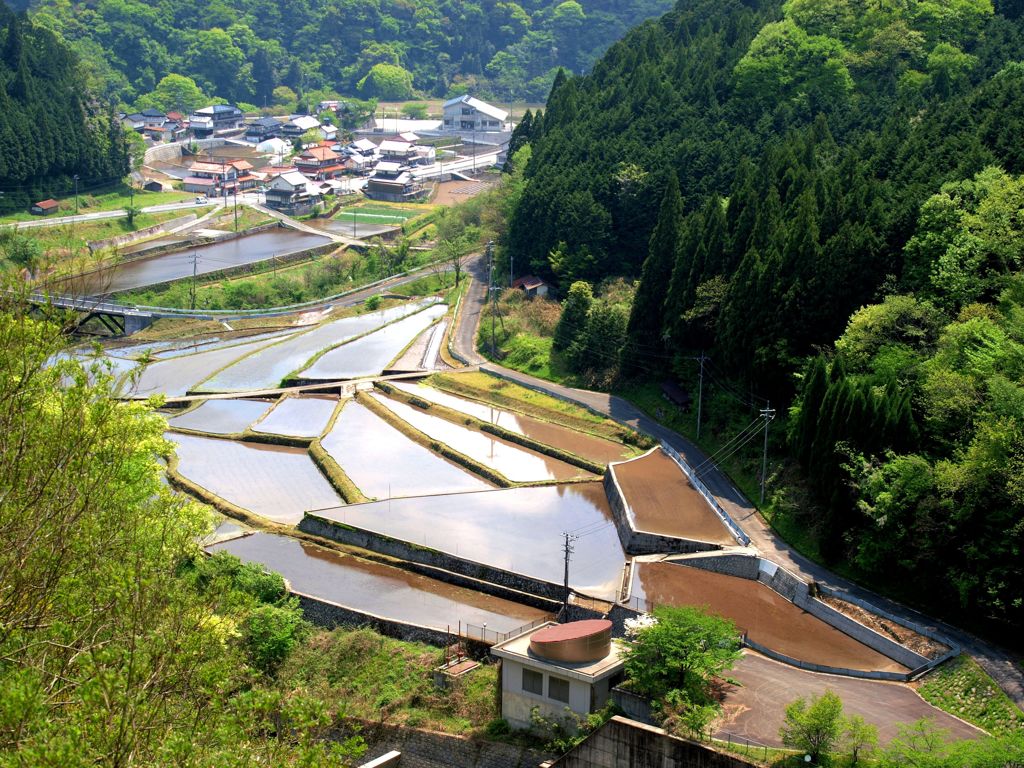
point(665, 503)
point(766, 616)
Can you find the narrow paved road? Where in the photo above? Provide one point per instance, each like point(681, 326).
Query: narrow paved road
point(757, 709)
point(995, 661)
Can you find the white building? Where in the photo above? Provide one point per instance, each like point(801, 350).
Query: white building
point(558, 666)
point(466, 113)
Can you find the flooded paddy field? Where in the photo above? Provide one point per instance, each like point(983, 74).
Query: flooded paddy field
point(587, 446)
point(266, 368)
point(377, 589)
point(221, 417)
point(371, 354)
point(520, 465)
point(272, 481)
point(664, 502)
point(212, 257)
point(765, 615)
point(383, 463)
point(514, 529)
point(179, 375)
point(305, 416)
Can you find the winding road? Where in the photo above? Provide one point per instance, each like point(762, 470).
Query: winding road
point(994, 660)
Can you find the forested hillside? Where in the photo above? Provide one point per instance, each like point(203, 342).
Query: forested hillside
point(846, 170)
point(50, 128)
point(242, 50)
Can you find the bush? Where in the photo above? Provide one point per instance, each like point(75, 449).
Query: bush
point(271, 632)
point(372, 303)
point(498, 727)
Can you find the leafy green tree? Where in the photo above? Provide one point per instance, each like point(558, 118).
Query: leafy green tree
point(683, 650)
point(573, 320)
point(175, 93)
point(860, 738)
point(387, 81)
point(814, 728)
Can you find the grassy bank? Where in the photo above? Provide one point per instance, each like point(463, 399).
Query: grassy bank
point(112, 199)
point(962, 688)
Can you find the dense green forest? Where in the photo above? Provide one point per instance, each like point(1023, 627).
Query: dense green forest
point(50, 128)
point(244, 49)
point(826, 197)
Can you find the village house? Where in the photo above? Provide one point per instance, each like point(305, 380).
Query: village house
point(245, 178)
point(44, 207)
point(531, 285)
point(392, 151)
point(168, 131)
point(392, 182)
point(291, 193)
point(147, 118)
point(320, 163)
point(557, 666)
point(207, 121)
point(263, 129)
point(466, 113)
point(298, 125)
point(211, 179)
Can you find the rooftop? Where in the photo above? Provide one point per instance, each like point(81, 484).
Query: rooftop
point(518, 649)
point(480, 106)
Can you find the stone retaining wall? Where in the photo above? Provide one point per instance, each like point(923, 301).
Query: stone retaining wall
point(329, 615)
point(139, 234)
point(376, 542)
point(429, 749)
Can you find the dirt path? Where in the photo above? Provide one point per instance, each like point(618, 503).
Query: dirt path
point(993, 660)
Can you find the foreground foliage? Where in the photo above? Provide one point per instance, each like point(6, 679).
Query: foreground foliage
point(119, 644)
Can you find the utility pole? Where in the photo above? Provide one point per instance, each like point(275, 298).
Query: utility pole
point(568, 550)
point(490, 288)
point(700, 391)
point(767, 413)
point(192, 288)
point(76, 193)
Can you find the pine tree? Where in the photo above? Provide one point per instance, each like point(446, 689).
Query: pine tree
point(573, 321)
point(806, 425)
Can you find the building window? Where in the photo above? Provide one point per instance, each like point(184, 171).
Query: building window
point(467, 110)
point(533, 681)
point(558, 689)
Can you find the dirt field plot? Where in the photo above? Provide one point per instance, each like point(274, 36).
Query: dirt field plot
point(665, 503)
point(766, 616)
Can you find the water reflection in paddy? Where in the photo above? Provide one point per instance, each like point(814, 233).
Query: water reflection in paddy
point(370, 354)
point(269, 366)
point(519, 465)
point(587, 446)
point(299, 416)
point(276, 482)
point(377, 589)
point(384, 463)
point(204, 259)
point(177, 376)
point(221, 417)
point(515, 529)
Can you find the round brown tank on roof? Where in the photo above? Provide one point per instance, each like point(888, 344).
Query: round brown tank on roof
point(576, 642)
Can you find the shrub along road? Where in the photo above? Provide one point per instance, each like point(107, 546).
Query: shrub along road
point(994, 660)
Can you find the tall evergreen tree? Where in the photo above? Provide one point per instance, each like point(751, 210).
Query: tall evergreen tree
point(646, 319)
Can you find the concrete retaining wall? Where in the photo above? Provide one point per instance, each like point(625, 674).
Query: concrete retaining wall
point(636, 542)
point(166, 153)
point(375, 542)
point(901, 677)
point(743, 566)
point(428, 749)
point(622, 742)
point(709, 497)
point(330, 615)
point(131, 237)
point(635, 706)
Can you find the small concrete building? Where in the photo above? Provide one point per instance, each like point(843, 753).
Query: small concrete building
point(558, 666)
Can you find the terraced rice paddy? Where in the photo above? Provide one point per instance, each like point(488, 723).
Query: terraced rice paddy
point(579, 443)
point(766, 616)
point(371, 354)
point(299, 416)
point(383, 463)
point(515, 529)
point(265, 368)
point(180, 375)
point(214, 257)
point(221, 417)
point(518, 464)
point(376, 589)
point(663, 501)
point(272, 481)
